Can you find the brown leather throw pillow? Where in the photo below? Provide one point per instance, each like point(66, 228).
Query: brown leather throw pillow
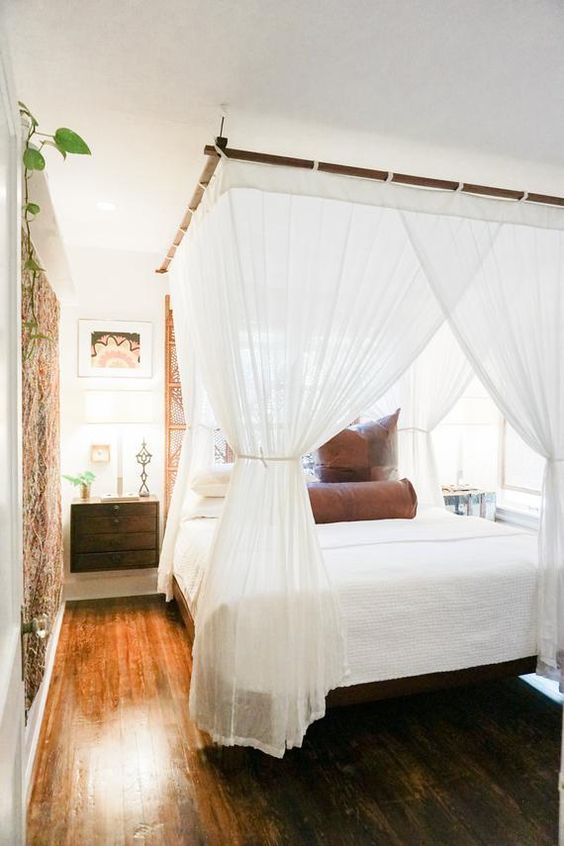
point(345, 502)
point(365, 452)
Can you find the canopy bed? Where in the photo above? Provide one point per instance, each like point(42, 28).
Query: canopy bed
point(301, 298)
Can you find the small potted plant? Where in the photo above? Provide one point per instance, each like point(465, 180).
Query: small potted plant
point(83, 480)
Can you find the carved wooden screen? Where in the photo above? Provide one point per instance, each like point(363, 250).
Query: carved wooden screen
point(175, 423)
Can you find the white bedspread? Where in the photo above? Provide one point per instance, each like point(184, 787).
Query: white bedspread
point(437, 593)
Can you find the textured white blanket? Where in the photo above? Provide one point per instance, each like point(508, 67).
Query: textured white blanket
point(437, 593)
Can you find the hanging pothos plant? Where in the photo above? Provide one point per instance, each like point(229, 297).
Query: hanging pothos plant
point(66, 141)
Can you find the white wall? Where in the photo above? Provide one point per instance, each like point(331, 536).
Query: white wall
point(112, 285)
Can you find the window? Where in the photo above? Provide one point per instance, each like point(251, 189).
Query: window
point(467, 441)
point(474, 443)
point(521, 467)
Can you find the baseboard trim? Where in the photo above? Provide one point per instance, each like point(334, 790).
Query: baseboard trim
point(37, 710)
point(108, 585)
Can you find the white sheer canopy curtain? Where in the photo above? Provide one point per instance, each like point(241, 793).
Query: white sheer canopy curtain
point(303, 309)
point(426, 393)
point(197, 444)
point(502, 286)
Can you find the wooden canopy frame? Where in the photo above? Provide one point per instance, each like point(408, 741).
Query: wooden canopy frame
point(220, 148)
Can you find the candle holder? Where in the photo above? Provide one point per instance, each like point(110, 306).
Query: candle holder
point(143, 458)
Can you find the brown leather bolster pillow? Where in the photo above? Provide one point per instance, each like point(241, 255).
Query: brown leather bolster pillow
point(344, 502)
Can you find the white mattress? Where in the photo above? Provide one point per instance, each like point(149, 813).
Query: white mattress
point(436, 593)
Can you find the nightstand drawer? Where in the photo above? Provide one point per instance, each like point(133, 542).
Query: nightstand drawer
point(117, 509)
point(99, 525)
point(115, 560)
point(115, 541)
point(114, 535)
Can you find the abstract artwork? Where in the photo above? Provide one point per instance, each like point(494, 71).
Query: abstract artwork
point(113, 348)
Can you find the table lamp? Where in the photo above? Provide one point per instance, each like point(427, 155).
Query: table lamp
point(120, 408)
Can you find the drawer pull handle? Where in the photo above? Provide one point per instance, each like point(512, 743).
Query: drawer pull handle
point(116, 521)
point(116, 557)
point(116, 507)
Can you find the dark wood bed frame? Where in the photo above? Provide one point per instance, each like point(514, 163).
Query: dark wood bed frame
point(372, 691)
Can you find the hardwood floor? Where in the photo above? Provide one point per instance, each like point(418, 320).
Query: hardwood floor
point(120, 762)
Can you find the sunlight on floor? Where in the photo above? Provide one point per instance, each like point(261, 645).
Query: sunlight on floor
point(546, 686)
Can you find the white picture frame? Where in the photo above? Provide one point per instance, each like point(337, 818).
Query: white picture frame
point(113, 362)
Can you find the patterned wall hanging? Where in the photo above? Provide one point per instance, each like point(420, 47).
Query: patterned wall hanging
point(42, 529)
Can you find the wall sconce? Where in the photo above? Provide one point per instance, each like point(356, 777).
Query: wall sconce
point(100, 453)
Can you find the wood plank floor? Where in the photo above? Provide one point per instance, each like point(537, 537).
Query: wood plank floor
point(120, 762)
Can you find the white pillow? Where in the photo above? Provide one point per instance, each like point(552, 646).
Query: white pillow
point(213, 481)
point(202, 506)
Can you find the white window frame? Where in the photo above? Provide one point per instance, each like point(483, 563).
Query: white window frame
point(505, 486)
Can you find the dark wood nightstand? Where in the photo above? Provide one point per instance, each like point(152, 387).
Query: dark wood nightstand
point(114, 535)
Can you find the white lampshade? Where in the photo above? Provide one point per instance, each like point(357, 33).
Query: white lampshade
point(118, 407)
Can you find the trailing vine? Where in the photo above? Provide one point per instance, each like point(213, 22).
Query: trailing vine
point(66, 141)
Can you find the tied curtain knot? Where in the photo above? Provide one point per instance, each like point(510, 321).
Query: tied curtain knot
point(264, 458)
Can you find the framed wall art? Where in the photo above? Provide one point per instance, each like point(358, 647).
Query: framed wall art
point(115, 348)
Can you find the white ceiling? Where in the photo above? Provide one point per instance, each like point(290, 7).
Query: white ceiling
point(471, 89)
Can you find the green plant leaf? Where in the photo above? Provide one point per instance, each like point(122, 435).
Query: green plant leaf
point(33, 160)
point(25, 111)
point(31, 264)
point(56, 147)
point(32, 208)
point(69, 141)
point(82, 479)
